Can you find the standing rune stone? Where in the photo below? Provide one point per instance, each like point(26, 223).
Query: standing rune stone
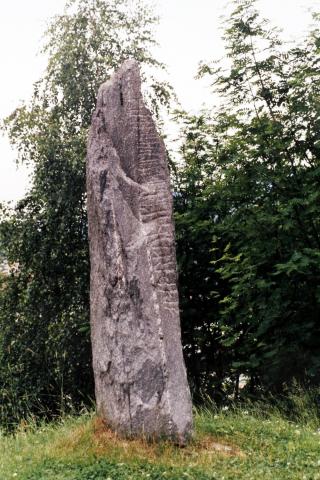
point(140, 377)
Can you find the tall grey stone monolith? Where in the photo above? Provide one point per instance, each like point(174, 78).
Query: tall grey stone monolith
point(140, 377)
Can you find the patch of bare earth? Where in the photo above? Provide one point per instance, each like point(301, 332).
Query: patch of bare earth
point(199, 452)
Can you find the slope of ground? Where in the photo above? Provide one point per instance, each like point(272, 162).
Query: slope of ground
point(238, 444)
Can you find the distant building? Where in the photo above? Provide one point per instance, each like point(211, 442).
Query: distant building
point(4, 267)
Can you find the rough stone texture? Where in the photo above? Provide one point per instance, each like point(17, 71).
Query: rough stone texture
point(140, 377)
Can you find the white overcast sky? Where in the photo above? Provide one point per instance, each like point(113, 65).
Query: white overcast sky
point(189, 31)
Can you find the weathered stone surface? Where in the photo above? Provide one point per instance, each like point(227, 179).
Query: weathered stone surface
point(140, 378)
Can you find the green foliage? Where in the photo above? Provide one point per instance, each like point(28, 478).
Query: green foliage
point(248, 212)
point(45, 360)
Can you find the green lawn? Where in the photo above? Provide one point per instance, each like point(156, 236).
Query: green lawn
point(227, 445)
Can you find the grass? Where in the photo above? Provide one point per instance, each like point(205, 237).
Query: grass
point(228, 444)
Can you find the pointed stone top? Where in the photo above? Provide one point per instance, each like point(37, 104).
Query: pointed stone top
point(130, 69)
point(129, 64)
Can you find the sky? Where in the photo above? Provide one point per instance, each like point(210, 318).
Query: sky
point(189, 31)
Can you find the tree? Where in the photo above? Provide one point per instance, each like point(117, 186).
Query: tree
point(248, 202)
point(45, 347)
